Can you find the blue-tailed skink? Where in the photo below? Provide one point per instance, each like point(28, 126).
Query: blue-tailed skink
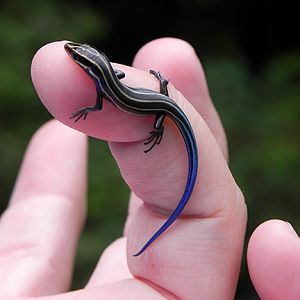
point(138, 101)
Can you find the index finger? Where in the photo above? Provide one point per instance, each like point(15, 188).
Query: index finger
point(64, 87)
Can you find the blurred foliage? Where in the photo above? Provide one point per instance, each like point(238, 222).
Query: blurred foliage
point(255, 89)
point(261, 114)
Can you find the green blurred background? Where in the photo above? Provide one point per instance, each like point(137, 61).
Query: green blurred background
point(252, 61)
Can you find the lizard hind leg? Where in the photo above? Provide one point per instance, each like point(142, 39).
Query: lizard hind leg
point(157, 133)
point(154, 138)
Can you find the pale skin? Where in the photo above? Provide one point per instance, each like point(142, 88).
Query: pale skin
point(197, 258)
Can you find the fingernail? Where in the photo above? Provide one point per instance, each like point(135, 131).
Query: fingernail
point(291, 229)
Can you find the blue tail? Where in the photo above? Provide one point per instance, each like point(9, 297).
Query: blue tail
point(192, 151)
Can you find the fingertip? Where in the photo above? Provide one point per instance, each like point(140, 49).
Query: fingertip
point(57, 130)
point(43, 62)
point(64, 88)
point(271, 233)
point(177, 60)
point(57, 80)
point(273, 260)
point(172, 46)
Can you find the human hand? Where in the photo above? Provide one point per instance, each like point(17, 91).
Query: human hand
point(198, 257)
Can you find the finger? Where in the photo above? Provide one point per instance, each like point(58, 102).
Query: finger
point(40, 229)
point(132, 289)
point(178, 62)
point(112, 266)
point(208, 238)
point(64, 87)
point(217, 183)
point(274, 259)
point(205, 244)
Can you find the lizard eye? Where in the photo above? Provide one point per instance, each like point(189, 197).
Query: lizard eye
point(75, 56)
